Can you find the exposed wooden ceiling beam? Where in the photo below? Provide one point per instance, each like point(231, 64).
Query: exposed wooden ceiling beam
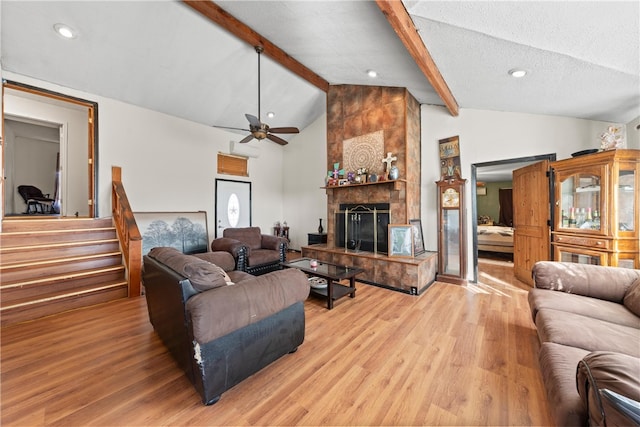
point(215, 13)
point(402, 24)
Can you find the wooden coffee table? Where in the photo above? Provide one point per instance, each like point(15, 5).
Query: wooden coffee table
point(332, 273)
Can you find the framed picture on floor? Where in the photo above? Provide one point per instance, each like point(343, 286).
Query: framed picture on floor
point(185, 231)
point(400, 240)
point(418, 242)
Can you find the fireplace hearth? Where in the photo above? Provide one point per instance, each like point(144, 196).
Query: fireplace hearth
point(362, 227)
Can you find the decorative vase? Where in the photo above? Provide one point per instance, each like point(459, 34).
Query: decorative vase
point(320, 229)
point(393, 173)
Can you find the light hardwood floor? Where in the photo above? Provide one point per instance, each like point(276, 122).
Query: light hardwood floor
point(452, 356)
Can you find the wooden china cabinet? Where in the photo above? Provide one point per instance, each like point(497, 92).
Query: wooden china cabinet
point(596, 209)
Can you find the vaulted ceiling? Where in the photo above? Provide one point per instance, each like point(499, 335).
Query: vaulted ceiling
point(582, 58)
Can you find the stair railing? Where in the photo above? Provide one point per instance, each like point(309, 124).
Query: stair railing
point(128, 233)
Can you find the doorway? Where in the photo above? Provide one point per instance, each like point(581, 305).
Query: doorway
point(32, 153)
point(486, 180)
point(50, 142)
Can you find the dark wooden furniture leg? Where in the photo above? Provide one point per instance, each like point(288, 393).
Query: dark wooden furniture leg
point(329, 294)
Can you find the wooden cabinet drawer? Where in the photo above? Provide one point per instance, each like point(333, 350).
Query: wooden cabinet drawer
point(589, 242)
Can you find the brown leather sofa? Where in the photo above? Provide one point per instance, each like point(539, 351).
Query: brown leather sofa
point(219, 324)
point(254, 252)
point(588, 323)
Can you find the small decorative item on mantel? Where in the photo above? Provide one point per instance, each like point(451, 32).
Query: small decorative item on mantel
point(320, 229)
point(392, 171)
point(337, 172)
point(362, 174)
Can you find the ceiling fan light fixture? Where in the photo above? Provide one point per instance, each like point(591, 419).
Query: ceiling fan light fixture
point(517, 72)
point(65, 31)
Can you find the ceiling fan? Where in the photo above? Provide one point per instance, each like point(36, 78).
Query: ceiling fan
point(258, 129)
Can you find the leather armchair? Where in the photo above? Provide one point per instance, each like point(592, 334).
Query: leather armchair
point(255, 253)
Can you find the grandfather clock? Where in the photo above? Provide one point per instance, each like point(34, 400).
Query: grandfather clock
point(452, 254)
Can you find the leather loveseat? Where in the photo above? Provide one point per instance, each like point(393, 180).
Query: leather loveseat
point(588, 323)
point(219, 324)
point(255, 253)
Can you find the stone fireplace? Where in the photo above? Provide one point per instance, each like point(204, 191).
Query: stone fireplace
point(359, 110)
point(354, 112)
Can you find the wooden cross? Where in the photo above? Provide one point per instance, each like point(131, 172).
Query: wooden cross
point(387, 160)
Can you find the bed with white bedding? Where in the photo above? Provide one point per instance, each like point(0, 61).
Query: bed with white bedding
point(495, 238)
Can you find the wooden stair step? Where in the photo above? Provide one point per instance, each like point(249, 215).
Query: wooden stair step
point(64, 282)
point(57, 250)
point(13, 239)
point(14, 272)
point(28, 224)
point(84, 297)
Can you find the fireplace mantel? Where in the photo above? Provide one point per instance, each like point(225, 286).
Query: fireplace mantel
point(396, 183)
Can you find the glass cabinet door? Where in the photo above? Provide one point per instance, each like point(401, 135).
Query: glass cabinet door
point(580, 256)
point(626, 202)
point(580, 199)
point(451, 242)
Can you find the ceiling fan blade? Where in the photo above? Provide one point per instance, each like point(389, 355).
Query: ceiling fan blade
point(276, 139)
point(246, 139)
point(253, 120)
point(284, 130)
point(227, 127)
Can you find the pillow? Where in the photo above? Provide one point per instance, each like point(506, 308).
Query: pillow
point(204, 276)
point(632, 297)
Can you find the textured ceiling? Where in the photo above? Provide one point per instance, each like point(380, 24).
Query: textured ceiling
point(583, 57)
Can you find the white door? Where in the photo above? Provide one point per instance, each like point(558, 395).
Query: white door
point(233, 205)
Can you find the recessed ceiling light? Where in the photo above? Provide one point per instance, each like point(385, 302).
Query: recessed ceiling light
point(517, 72)
point(271, 114)
point(65, 31)
point(372, 73)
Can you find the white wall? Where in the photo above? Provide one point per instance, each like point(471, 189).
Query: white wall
point(489, 136)
point(633, 134)
point(305, 202)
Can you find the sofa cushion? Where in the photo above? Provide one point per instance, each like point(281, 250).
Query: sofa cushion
point(558, 367)
point(217, 313)
point(585, 332)
point(219, 258)
point(632, 297)
point(238, 276)
point(597, 281)
point(250, 236)
point(591, 307)
point(616, 372)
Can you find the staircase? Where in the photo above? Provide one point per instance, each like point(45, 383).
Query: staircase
point(52, 265)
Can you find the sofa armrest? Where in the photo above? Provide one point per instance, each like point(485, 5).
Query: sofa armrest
point(607, 382)
point(227, 244)
point(273, 242)
point(223, 259)
point(607, 283)
point(220, 311)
